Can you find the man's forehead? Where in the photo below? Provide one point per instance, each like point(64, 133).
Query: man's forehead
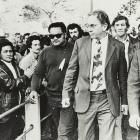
point(120, 21)
point(56, 29)
point(75, 29)
point(92, 19)
point(35, 41)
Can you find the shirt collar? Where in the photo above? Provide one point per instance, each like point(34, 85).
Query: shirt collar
point(126, 40)
point(102, 41)
point(6, 62)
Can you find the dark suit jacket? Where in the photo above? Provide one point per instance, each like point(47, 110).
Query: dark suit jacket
point(134, 84)
point(78, 75)
point(134, 45)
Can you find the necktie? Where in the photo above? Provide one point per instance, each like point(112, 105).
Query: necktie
point(97, 73)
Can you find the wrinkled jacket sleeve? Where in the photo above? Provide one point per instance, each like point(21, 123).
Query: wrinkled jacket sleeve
point(134, 85)
point(71, 74)
point(6, 82)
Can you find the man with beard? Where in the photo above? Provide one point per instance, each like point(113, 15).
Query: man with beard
point(52, 65)
point(74, 32)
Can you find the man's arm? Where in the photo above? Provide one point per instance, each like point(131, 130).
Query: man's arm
point(70, 77)
point(38, 74)
point(37, 79)
point(123, 81)
point(134, 86)
point(134, 92)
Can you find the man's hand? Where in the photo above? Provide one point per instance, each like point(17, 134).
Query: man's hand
point(28, 91)
point(134, 121)
point(65, 102)
point(124, 109)
point(33, 96)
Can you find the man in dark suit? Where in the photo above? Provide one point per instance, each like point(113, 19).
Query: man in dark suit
point(121, 26)
point(97, 72)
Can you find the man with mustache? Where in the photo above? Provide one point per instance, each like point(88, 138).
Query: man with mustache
point(29, 62)
point(52, 65)
point(74, 31)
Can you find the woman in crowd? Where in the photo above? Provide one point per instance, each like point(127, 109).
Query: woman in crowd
point(11, 85)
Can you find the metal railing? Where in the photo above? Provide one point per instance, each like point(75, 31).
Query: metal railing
point(32, 118)
point(13, 109)
point(23, 135)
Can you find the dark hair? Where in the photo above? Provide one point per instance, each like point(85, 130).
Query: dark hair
point(73, 26)
point(120, 17)
point(45, 40)
point(102, 17)
point(17, 34)
point(57, 24)
point(5, 42)
point(31, 38)
point(26, 34)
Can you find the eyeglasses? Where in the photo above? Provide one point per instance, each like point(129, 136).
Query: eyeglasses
point(51, 36)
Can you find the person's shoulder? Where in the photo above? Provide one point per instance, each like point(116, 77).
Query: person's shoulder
point(1, 64)
point(138, 52)
point(25, 61)
point(132, 39)
point(83, 39)
point(116, 42)
point(28, 56)
point(45, 50)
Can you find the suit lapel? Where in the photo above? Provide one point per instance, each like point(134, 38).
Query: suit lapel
point(88, 47)
point(6, 69)
point(110, 50)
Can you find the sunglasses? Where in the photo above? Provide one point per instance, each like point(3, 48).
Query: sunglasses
point(55, 35)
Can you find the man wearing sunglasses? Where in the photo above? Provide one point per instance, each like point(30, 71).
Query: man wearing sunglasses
point(53, 63)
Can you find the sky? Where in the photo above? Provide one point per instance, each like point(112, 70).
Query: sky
point(110, 6)
point(81, 9)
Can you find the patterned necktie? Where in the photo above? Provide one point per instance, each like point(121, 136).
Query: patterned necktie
point(97, 73)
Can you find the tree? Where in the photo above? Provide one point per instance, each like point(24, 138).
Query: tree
point(51, 8)
point(30, 12)
point(129, 8)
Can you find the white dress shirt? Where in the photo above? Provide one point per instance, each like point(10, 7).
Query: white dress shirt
point(126, 43)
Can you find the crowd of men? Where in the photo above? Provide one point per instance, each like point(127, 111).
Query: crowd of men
point(90, 80)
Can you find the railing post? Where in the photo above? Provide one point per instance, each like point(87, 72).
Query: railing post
point(32, 117)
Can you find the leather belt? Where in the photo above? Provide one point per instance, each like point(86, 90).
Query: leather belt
point(98, 92)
